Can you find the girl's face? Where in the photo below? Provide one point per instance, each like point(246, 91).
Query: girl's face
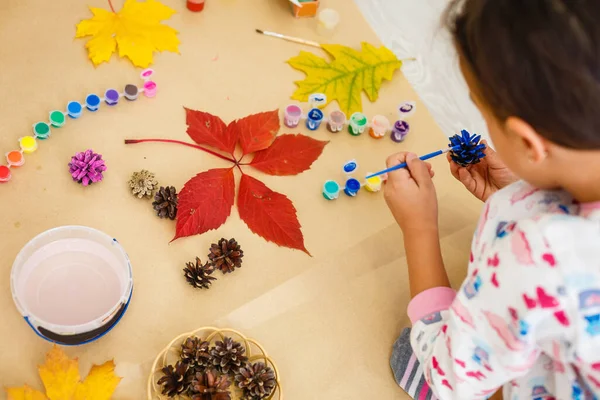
point(520, 147)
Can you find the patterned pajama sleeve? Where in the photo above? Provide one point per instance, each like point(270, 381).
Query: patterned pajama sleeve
point(472, 342)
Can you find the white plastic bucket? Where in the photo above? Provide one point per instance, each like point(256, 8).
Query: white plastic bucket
point(72, 284)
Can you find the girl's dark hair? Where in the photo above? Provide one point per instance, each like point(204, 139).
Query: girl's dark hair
point(538, 60)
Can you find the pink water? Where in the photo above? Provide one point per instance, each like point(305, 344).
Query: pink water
point(70, 282)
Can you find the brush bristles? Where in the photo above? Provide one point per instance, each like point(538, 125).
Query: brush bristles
point(466, 149)
point(260, 31)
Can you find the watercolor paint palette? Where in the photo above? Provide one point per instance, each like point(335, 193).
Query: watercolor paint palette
point(357, 124)
point(42, 130)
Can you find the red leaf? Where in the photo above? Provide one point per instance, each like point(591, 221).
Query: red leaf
point(288, 155)
point(269, 214)
point(205, 202)
point(208, 129)
point(257, 131)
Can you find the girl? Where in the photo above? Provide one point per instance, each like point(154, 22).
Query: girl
point(527, 317)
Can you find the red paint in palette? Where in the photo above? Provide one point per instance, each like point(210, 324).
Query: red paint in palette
point(4, 173)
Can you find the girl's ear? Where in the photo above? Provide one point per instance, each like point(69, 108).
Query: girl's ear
point(531, 142)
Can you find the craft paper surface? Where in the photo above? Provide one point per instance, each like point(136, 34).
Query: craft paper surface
point(328, 321)
point(136, 30)
point(346, 76)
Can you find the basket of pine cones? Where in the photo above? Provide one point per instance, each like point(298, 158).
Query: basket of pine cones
point(214, 364)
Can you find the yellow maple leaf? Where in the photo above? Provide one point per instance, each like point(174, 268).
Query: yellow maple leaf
point(136, 30)
point(24, 393)
point(60, 376)
point(344, 78)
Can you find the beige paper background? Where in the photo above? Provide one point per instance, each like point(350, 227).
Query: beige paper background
point(329, 320)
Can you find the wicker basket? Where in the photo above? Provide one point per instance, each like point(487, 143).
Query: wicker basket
point(170, 355)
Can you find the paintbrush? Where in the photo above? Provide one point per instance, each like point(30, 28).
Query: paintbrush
point(289, 38)
point(464, 149)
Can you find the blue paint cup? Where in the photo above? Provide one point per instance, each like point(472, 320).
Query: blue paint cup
point(314, 119)
point(74, 109)
point(350, 167)
point(352, 187)
point(92, 102)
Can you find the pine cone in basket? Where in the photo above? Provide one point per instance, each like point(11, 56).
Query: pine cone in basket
point(165, 202)
point(257, 380)
point(226, 255)
point(210, 386)
point(198, 275)
point(196, 353)
point(176, 380)
point(142, 183)
point(228, 355)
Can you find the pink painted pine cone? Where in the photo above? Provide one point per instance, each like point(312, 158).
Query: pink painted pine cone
point(87, 167)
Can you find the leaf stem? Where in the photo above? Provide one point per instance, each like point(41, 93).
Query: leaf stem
point(195, 146)
point(111, 6)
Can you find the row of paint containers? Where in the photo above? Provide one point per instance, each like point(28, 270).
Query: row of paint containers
point(332, 189)
point(357, 124)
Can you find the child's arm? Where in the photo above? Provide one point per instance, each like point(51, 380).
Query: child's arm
point(410, 195)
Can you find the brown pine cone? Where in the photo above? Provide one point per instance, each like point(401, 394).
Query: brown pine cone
point(210, 386)
point(195, 353)
point(142, 183)
point(176, 380)
point(165, 202)
point(257, 380)
point(226, 255)
point(228, 355)
point(198, 275)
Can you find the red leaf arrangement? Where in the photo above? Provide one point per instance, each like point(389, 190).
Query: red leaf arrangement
point(206, 200)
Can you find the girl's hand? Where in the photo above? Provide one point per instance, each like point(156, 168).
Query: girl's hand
point(486, 177)
point(410, 194)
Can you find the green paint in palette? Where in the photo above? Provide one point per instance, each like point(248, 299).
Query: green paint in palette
point(41, 130)
point(57, 118)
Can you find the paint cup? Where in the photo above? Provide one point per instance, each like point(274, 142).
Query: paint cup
point(57, 118)
point(317, 100)
point(195, 5)
point(28, 144)
point(72, 284)
point(146, 74)
point(373, 184)
point(15, 158)
point(41, 130)
point(149, 89)
point(314, 119)
point(327, 21)
point(292, 115)
point(111, 97)
point(407, 109)
point(92, 102)
point(358, 123)
point(331, 190)
point(5, 174)
point(399, 131)
point(352, 187)
point(336, 122)
point(131, 92)
point(350, 167)
point(74, 109)
point(379, 126)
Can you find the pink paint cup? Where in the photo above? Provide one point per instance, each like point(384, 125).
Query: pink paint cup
point(292, 115)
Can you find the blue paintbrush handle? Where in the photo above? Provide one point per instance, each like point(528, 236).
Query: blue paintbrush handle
point(403, 165)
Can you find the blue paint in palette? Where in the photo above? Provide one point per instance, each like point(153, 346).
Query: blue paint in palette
point(74, 109)
point(92, 102)
point(350, 167)
point(352, 187)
